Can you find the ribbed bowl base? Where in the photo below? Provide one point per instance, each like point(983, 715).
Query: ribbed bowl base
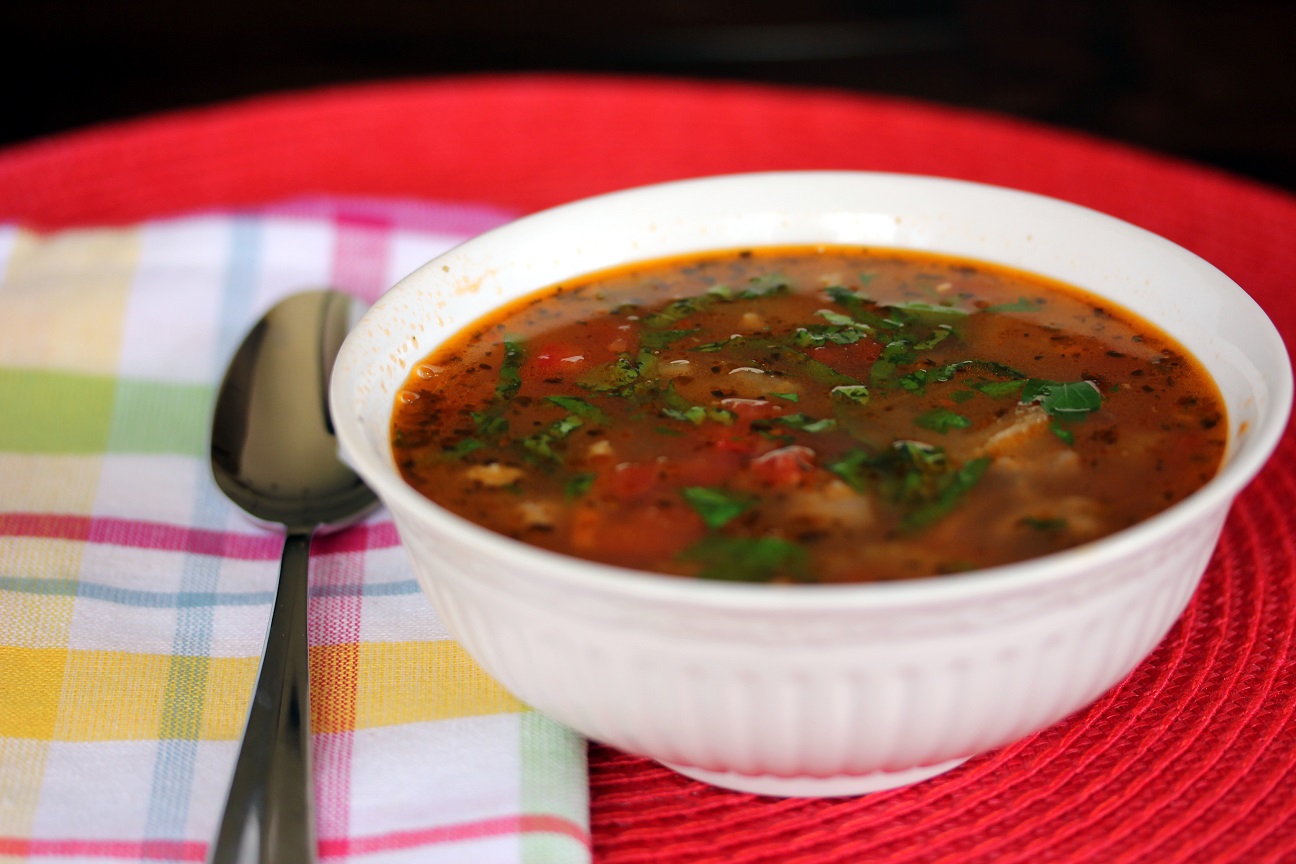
point(815, 787)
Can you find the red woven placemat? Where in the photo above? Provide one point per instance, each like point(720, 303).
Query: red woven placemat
point(1193, 758)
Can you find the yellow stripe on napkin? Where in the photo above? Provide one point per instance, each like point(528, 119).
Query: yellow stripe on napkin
point(411, 682)
point(43, 483)
point(63, 298)
point(33, 621)
point(29, 691)
point(73, 695)
point(40, 558)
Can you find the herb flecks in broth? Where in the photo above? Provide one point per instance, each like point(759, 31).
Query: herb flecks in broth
point(816, 414)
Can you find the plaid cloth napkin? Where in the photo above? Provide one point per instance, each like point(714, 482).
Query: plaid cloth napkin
point(134, 598)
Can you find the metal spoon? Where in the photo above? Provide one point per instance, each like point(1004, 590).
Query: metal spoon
point(273, 453)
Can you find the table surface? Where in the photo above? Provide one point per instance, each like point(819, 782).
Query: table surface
point(1190, 759)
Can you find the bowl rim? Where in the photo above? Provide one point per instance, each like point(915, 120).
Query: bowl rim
point(584, 575)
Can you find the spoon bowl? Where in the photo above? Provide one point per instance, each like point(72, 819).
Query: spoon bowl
point(273, 451)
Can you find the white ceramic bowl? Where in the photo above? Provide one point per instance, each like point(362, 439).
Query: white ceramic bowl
point(814, 690)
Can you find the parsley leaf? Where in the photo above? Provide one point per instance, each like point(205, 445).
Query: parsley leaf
point(996, 389)
point(1065, 435)
point(541, 443)
point(862, 309)
point(917, 381)
point(622, 376)
point(916, 477)
point(950, 491)
point(510, 374)
point(806, 423)
point(1042, 524)
point(1071, 400)
point(895, 354)
point(942, 420)
point(747, 559)
point(840, 320)
point(463, 447)
point(769, 283)
point(662, 338)
point(856, 393)
point(577, 485)
point(920, 308)
point(1022, 304)
point(716, 506)
point(766, 353)
point(581, 408)
point(491, 424)
point(698, 414)
point(678, 310)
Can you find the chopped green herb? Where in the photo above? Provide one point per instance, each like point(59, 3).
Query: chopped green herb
point(769, 283)
point(839, 319)
point(662, 338)
point(997, 389)
point(577, 485)
point(818, 335)
point(917, 381)
point(621, 376)
point(678, 310)
point(856, 393)
point(716, 506)
point(917, 477)
point(510, 373)
point(950, 491)
point(581, 408)
point(862, 309)
point(1022, 304)
point(708, 347)
point(541, 443)
point(853, 469)
point(762, 352)
point(1043, 524)
point(791, 397)
point(894, 354)
point(677, 408)
point(915, 472)
point(918, 307)
point(942, 420)
point(490, 424)
point(463, 447)
point(806, 423)
point(747, 559)
point(1073, 400)
point(939, 335)
point(918, 454)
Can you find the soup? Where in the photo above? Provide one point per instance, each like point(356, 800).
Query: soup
point(821, 414)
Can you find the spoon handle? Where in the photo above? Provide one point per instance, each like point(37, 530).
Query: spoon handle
point(270, 812)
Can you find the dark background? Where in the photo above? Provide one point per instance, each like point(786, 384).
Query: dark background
point(1209, 81)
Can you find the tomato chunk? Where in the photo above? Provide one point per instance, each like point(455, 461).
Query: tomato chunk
point(735, 438)
point(629, 481)
point(627, 535)
point(786, 466)
point(751, 409)
point(851, 359)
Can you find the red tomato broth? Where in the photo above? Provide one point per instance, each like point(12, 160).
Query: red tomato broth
point(809, 414)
